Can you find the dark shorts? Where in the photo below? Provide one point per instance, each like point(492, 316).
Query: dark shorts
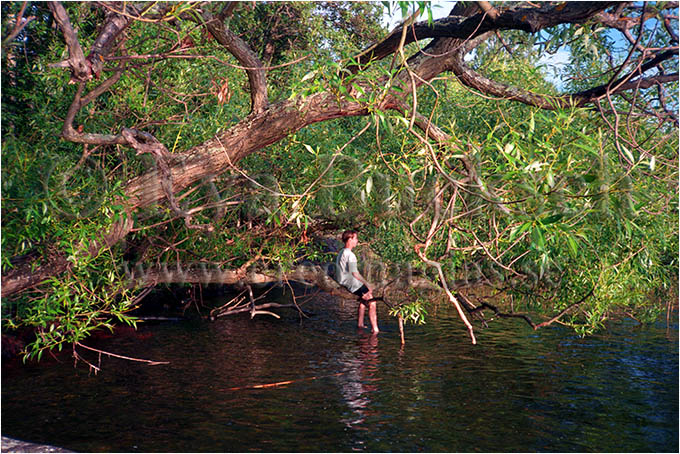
point(361, 292)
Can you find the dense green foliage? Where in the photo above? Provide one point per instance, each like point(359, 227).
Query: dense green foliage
point(583, 209)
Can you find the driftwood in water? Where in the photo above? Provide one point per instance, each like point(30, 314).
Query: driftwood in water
point(240, 303)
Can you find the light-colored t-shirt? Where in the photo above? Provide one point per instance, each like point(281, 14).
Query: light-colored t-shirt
point(345, 265)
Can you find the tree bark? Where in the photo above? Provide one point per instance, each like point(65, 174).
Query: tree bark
point(205, 273)
point(255, 132)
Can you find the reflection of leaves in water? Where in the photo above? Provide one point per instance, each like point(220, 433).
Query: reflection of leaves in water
point(75, 190)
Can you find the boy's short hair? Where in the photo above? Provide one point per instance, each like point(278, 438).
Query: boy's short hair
point(347, 234)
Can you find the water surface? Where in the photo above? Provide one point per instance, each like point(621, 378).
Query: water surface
point(517, 390)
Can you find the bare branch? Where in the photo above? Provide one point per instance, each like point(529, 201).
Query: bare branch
point(498, 313)
point(567, 309)
point(68, 132)
point(129, 358)
point(487, 86)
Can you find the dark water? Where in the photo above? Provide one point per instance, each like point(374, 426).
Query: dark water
point(517, 390)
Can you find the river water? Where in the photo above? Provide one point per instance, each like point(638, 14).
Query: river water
point(517, 390)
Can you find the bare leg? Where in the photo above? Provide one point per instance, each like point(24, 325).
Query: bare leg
point(362, 309)
point(360, 318)
point(373, 316)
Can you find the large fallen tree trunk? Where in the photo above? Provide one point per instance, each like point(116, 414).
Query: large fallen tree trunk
point(311, 275)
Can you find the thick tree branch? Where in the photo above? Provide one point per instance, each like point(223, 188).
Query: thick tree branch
point(526, 18)
point(625, 83)
point(84, 68)
point(474, 80)
point(239, 49)
point(80, 67)
point(255, 132)
point(114, 26)
point(103, 45)
point(205, 273)
point(210, 158)
point(144, 142)
point(451, 52)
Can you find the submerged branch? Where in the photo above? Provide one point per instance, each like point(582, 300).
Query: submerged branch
point(485, 305)
point(103, 352)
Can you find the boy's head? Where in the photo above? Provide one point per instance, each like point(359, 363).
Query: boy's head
point(348, 235)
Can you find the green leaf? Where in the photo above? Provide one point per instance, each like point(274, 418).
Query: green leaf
point(520, 230)
point(550, 178)
point(404, 9)
point(537, 238)
point(573, 246)
point(552, 219)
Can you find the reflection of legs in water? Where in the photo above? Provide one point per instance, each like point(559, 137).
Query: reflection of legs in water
point(359, 382)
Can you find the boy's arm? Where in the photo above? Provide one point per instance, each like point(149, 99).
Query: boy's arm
point(355, 272)
point(363, 281)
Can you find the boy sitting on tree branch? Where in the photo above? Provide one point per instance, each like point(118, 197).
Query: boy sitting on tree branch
point(347, 274)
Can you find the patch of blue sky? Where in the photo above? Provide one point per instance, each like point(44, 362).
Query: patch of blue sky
point(554, 64)
point(440, 8)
